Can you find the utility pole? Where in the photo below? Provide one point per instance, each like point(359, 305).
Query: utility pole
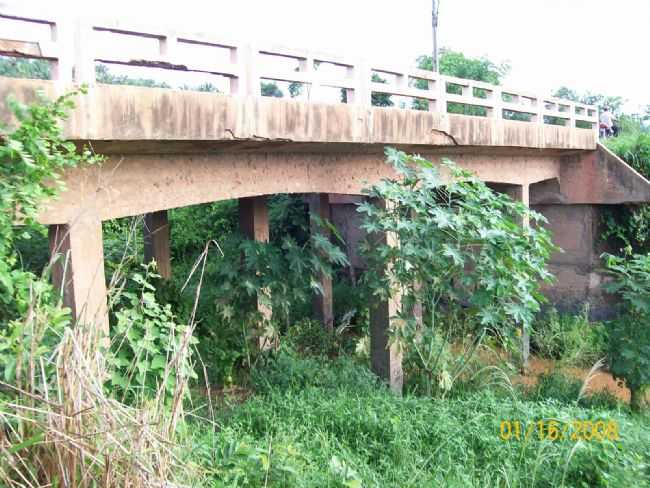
point(435, 6)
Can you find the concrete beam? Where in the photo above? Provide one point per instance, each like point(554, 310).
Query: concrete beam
point(78, 273)
point(156, 242)
point(137, 184)
point(322, 304)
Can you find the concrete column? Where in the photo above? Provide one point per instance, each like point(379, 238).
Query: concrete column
point(386, 359)
point(254, 224)
point(525, 337)
point(518, 193)
point(156, 242)
point(322, 304)
point(254, 218)
point(78, 273)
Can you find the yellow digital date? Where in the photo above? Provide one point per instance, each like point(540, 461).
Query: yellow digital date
point(556, 430)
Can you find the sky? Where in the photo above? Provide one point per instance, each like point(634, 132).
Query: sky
point(589, 45)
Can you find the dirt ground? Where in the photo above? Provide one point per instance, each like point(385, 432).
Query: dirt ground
point(600, 381)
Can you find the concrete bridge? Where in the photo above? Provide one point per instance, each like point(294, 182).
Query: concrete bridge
point(170, 148)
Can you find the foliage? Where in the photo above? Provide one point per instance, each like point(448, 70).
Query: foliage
point(270, 89)
point(25, 68)
point(59, 425)
point(380, 99)
point(104, 75)
point(558, 386)
point(335, 427)
point(454, 63)
point(629, 335)
point(192, 227)
point(613, 102)
point(627, 226)
point(32, 156)
point(144, 338)
point(569, 338)
point(206, 87)
point(285, 270)
point(442, 229)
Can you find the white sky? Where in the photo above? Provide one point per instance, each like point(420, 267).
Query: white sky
point(596, 45)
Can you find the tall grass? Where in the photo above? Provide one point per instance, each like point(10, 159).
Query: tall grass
point(60, 423)
point(330, 424)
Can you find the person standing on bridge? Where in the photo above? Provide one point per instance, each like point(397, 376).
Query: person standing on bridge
point(606, 122)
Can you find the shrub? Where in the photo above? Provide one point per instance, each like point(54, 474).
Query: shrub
point(444, 229)
point(629, 336)
point(558, 386)
point(569, 338)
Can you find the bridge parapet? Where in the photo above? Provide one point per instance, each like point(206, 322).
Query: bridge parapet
point(75, 46)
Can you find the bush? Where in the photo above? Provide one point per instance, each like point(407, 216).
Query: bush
point(629, 336)
point(569, 338)
point(444, 228)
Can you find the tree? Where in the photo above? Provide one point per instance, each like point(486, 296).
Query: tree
point(454, 63)
point(614, 103)
point(104, 75)
point(206, 87)
point(377, 99)
point(25, 68)
point(270, 89)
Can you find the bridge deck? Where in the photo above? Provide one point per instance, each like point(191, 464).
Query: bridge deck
point(145, 115)
point(120, 113)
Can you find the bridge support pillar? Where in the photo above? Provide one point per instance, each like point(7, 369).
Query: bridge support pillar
point(519, 193)
point(78, 272)
point(524, 197)
point(156, 242)
point(386, 358)
point(254, 224)
point(322, 303)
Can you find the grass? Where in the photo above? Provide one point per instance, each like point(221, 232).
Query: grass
point(319, 422)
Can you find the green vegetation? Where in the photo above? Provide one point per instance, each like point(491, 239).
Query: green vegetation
point(629, 344)
point(572, 339)
point(627, 226)
point(321, 423)
point(444, 228)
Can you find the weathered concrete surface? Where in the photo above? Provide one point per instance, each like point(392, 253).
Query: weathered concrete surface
point(601, 177)
point(126, 113)
point(254, 224)
point(134, 184)
point(576, 229)
point(156, 242)
point(79, 272)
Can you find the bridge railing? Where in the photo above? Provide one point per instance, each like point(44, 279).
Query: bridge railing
point(74, 47)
